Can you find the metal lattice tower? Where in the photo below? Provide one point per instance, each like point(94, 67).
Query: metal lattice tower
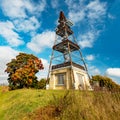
point(65, 50)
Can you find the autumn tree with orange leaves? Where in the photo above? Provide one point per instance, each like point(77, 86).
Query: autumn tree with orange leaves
point(21, 71)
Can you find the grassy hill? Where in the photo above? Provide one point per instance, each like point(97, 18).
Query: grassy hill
point(31, 104)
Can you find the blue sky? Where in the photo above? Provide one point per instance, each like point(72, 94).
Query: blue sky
point(29, 26)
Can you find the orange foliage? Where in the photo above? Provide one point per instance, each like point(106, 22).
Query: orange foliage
point(23, 69)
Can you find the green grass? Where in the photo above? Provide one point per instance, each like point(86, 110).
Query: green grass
point(14, 105)
point(76, 105)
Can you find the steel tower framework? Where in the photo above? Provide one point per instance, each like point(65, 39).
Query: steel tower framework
point(66, 51)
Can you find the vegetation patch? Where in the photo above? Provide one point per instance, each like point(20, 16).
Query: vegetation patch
point(15, 105)
point(21, 71)
point(104, 83)
point(76, 105)
point(33, 104)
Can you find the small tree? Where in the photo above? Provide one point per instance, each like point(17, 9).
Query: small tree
point(106, 82)
point(22, 70)
point(41, 84)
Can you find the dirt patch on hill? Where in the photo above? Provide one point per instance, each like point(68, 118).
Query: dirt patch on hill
point(54, 110)
point(46, 113)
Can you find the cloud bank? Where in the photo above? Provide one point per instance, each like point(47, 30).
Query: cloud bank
point(92, 13)
point(42, 41)
point(113, 72)
point(7, 54)
point(7, 31)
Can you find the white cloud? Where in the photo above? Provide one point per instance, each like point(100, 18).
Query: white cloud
point(91, 14)
point(55, 3)
point(41, 41)
point(73, 5)
point(19, 8)
point(86, 43)
point(43, 73)
point(7, 31)
point(76, 11)
point(96, 10)
point(87, 39)
point(111, 16)
point(90, 57)
point(13, 8)
point(7, 54)
point(113, 72)
point(39, 7)
point(93, 70)
point(23, 13)
point(26, 25)
point(76, 16)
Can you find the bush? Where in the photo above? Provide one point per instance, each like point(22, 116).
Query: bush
point(106, 82)
point(41, 84)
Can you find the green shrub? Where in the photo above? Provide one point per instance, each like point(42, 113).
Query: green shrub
point(41, 84)
point(106, 82)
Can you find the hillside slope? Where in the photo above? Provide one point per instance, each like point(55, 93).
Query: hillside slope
point(14, 105)
point(31, 104)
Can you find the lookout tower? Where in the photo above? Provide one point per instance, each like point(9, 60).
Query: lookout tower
point(67, 69)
